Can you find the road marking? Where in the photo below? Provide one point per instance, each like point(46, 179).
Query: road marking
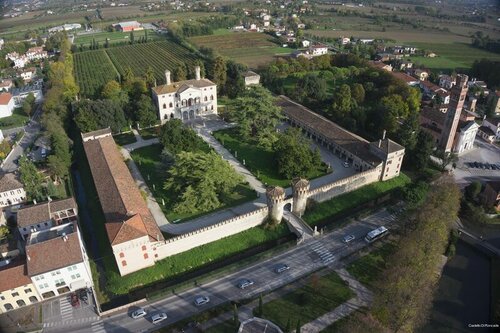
point(98, 327)
point(66, 309)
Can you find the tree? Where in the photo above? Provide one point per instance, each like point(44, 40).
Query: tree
point(31, 179)
point(297, 329)
point(176, 137)
point(472, 191)
point(113, 91)
point(288, 326)
point(219, 72)
point(149, 77)
point(28, 104)
point(128, 74)
point(446, 158)
point(423, 150)
point(358, 93)
point(312, 86)
point(180, 73)
point(5, 148)
point(257, 116)
point(235, 314)
point(294, 155)
point(93, 115)
point(342, 101)
point(201, 180)
point(60, 159)
point(392, 108)
point(260, 309)
point(146, 112)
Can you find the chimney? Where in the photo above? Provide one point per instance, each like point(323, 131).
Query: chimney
point(197, 71)
point(167, 77)
point(379, 143)
point(383, 135)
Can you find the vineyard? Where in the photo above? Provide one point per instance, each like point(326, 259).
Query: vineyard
point(159, 55)
point(92, 70)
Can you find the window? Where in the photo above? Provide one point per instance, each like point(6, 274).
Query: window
point(78, 275)
point(146, 256)
point(389, 162)
point(58, 272)
point(144, 247)
point(8, 307)
point(170, 105)
point(211, 97)
point(24, 229)
point(27, 290)
point(45, 285)
point(124, 262)
point(37, 278)
point(46, 224)
point(206, 98)
point(212, 107)
point(15, 294)
point(53, 273)
point(33, 299)
point(164, 105)
point(20, 302)
point(156, 255)
point(122, 255)
point(2, 298)
point(41, 286)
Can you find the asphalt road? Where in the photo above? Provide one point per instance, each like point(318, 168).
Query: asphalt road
point(302, 259)
point(31, 131)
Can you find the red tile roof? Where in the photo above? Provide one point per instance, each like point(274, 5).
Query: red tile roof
point(124, 208)
point(5, 98)
point(14, 275)
point(405, 77)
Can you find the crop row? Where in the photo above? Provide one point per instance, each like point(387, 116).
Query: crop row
point(92, 70)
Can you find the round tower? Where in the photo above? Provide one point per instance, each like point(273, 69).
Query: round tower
point(300, 192)
point(275, 196)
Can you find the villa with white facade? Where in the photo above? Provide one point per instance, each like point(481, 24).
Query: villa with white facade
point(185, 99)
point(11, 190)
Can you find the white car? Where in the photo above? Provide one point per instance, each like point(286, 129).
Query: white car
point(243, 283)
point(139, 313)
point(348, 238)
point(201, 300)
point(346, 164)
point(158, 317)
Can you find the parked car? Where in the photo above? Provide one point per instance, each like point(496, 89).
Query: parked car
point(201, 300)
point(244, 283)
point(158, 317)
point(139, 313)
point(281, 268)
point(495, 167)
point(475, 164)
point(346, 164)
point(83, 295)
point(74, 300)
point(348, 238)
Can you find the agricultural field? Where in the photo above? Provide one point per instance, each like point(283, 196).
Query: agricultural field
point(95, 68)
point(250, 48)
point(92, 70)
point(159, 55)
point(114, 37)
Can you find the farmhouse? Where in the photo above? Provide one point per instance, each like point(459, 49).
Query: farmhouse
point(131, 228)
point(318, 49)
point(494, 125)
point(5, 85)
point(251, 78)
point(128, 26)
point(185, 99)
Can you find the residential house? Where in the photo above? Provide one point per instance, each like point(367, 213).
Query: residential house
point(185, 99)
point(381, 65)
point(11, 190)
point(57, 261)
point(421, 74)
point(46, 215)
point(301, 26)
point(495, 103)
point(494, 125)
point(36, 53)
point(306, 43)
point(446, 81)
point(486, 133)
point(465, 136)
point(16, 288)
point(66, 27)
point(27, 74)
point(430, 90)
point(251, 78)
point(491, 195)
point(5, 85)
point(345, 40)
point(391, 154)
point(6, 104)
point(410, 80)
point(19, 60)
point(318, 49)
point(478, 87)
point(131, 228)
point(20, 94)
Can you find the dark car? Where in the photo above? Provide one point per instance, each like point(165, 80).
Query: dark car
point(281, 268)
point(83, 295)
point(243, 283)
point(495, 167)
point(475, 164)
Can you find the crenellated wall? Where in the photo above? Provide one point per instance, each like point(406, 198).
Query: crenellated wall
point(211, 233)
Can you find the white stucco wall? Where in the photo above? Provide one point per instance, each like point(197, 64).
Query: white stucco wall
point(13, 197)
point(23, 294)
point(133, 255)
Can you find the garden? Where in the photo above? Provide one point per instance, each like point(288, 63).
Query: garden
point(320, 295)
point(18, 119)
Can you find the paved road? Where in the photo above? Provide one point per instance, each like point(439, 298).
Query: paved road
point(31, 132)
point(303, 259)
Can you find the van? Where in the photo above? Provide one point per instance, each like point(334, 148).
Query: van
point(158, 317)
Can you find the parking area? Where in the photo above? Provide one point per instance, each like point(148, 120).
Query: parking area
point(69, 309)
point(481, 163)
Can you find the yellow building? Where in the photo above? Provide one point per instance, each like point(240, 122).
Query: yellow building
point(16, 289)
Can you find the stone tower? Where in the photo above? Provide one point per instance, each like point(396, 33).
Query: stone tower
point(457, 99)
point(300, 191)
point(275, 196)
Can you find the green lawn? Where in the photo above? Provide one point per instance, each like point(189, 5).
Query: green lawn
point(148, 162)
point(18, 118)
point(149, 133)
point(124, 139)
point(114, 37)
point(328, 209)
point(258, 160)
point(192, 259)
point(321, 295)
point(368, 268)
point(452, 55)
point(224, 327)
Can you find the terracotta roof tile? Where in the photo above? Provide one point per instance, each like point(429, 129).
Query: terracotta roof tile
point(5, 98)
point(9, 182)
point(42, 212)
point(14, 275)
point(120, 198)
